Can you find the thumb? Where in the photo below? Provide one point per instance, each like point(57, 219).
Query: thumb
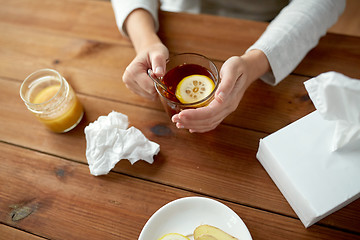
point(229, 74)
point(158, 63)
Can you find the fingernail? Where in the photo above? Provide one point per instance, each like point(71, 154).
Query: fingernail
point(178, 125)
point(175, 119)
point(181, 117)
point(159, 70)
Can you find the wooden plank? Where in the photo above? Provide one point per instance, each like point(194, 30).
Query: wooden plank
point(7, 233)
point(268, 109)
point(96, 68)
point(334, 52)
point(181, 32)
point(61, 206)
point(92, 67)
point(93, 20)
point(349, 21)
point(222, 165)
point(195, 33)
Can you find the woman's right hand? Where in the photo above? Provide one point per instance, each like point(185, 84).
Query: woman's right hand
point(135, 76)
point(151, 53)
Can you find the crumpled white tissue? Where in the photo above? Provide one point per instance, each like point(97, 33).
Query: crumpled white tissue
point(337, 98)
point(108, 140)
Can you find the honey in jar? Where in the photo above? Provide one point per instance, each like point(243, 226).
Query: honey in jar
point(49, 96)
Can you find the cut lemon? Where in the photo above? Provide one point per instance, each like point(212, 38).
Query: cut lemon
point(174, 236)
point(207, 232)
point(194, 88)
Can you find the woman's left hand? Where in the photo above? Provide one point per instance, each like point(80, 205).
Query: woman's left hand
point(236, 74)
point(234, 82)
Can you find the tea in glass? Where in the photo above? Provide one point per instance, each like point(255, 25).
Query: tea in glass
point(191, 80)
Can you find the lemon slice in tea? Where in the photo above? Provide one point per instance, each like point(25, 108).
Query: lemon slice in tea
point(174, 236)
point(194, 88)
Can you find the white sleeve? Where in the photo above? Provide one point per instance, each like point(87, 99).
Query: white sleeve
point(294, 32)
point(122, 9)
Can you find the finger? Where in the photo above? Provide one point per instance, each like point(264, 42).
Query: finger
point(158, 64)
point(139, 84)
point(175, 118)
point(201, 119)
point(198, 126)
point(202, 125)
point(229, 73)
point(139, 91)
point(202, 113)
point(203, 129)
point(146, 83)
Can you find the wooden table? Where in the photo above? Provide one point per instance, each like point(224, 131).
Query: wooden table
point(47, 191)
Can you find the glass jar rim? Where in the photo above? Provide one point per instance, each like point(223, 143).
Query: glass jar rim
point(37, 72)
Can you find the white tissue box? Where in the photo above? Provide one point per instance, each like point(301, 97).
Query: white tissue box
point(314, 180)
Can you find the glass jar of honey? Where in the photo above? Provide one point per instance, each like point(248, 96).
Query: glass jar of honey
point(50, 97)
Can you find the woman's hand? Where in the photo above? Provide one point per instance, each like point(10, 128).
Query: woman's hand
point(135, 76)
point(236, 74)
point(151, 53)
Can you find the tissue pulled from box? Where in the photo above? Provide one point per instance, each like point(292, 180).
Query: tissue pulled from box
point(108, 140)
point(337, 98)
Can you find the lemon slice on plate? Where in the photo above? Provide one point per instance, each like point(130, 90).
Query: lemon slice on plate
point(194, 88)
point(174, 236)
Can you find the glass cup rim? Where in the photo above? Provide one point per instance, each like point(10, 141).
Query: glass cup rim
point(36, 72)
point(198, 102)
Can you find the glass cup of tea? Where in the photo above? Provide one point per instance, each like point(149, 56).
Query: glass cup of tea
point(50, 97)
point(190, 81)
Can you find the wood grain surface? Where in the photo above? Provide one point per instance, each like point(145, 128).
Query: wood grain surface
point(47, 191)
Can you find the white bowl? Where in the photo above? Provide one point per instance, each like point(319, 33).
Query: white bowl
point(185, 214)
